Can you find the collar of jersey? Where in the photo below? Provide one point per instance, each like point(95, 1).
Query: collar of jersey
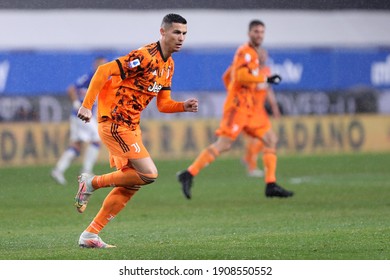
point(160, 50)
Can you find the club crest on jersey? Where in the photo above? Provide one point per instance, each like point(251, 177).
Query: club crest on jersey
point(155, 87)
point(248, 57)
point(134, 63)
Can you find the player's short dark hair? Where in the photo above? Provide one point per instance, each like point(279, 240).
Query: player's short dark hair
point(255, 23)
point(173, 18)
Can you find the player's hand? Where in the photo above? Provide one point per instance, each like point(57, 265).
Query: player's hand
point(274, 79)
point(191, 105)
point(84, 114)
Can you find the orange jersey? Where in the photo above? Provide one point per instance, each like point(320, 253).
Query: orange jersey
point(259, 117)
point(244, 78)
point(254, 119)
point(135, 80)
point(227, 77)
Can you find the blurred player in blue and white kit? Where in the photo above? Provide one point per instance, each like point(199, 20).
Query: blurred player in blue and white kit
point(80, 132)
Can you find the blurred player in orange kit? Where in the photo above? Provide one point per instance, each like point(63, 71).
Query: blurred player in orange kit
point(254, 146)
point(124, 88)
point(238, 114)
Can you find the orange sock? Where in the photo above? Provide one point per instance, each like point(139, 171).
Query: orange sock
point(269, 161)
point(258, 146)
point(125, 177)
point(206, 157)
point(115, 201)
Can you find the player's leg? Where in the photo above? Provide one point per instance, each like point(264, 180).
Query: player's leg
point(91, 152)
point(231, 126)
point(258, 124)
point(270, 163)
point(253, 147)
point(72, 152)
point(127, 154)
point(134, 169)
point(209, 154)
point(137, 172)
point(90, 157)
point(117, 199)
point(125, 177)
point(67, 157)
point(204, 159)
point(269, 155)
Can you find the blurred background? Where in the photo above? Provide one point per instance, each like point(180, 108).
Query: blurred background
point(333, 56)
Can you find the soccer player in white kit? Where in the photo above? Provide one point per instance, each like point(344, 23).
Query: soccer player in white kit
point(80, 132)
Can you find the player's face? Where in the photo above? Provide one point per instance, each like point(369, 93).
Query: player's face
point(256, 35)
point(173, 36)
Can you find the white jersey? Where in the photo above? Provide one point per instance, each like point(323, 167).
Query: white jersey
point(79, 130)
point(84, 132)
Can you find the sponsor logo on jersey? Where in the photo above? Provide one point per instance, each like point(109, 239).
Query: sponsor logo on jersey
point(155, 87)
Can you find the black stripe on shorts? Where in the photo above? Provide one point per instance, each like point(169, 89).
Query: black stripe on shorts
point(121, 142)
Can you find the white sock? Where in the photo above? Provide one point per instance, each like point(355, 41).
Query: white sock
point(66, 159)
point(90, 158)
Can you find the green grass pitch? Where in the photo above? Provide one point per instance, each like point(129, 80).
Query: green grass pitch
point(340, 211)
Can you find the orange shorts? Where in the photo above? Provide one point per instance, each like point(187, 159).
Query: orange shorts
point(122, 143)
point(259, 125)
point(234, 122)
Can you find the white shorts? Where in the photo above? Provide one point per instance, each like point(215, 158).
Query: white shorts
point(84, 132)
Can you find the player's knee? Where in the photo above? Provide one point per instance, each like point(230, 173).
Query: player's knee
point(148, 178)
point(222, 146)
point(273, 141)
point(76, 150)
point(225, 148)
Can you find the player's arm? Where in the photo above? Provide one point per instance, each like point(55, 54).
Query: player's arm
point(245, 75)
point(271, 98)
point(102, 74)
point(72, 93)
point(227, 77)
point(166, 104)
